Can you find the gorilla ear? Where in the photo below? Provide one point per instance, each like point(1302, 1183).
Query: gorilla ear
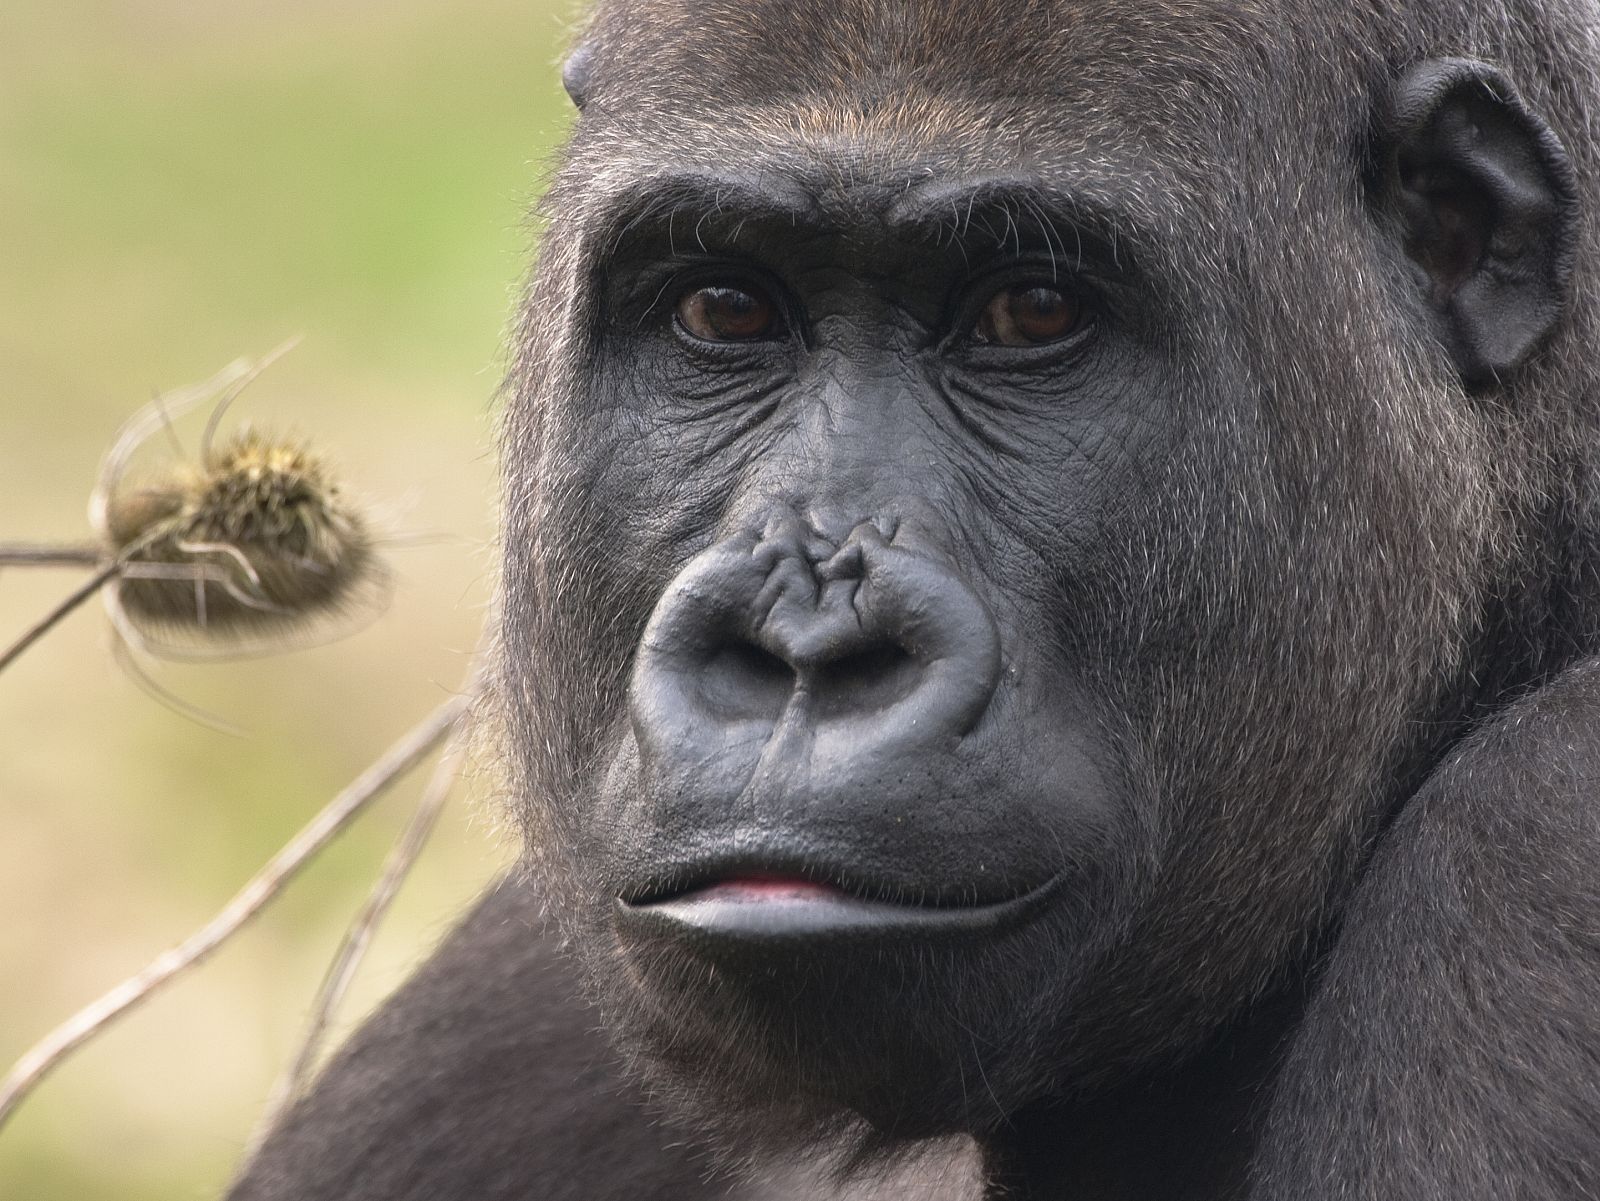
point(577, 74)
point(1486, 203)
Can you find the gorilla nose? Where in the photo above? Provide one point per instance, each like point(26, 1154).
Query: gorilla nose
point(849, 654)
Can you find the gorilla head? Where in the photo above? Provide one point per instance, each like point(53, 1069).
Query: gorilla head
point(1004, 500)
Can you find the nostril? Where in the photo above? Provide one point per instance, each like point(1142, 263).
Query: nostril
point(742, 680)
point(864, 682)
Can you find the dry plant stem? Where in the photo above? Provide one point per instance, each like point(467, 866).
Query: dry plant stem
point(342, 971)
point(44, 554)
point(263, 886)
point(48, 622)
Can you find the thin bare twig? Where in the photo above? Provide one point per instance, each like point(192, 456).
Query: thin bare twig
point(49, 621)
point(262, 887)
point(51, 554)
point(357, 938)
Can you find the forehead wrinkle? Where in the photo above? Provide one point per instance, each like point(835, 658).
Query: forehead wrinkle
point(697, 195)
point(1092, 204)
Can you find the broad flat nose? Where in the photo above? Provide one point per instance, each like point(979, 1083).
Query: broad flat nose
point(868, 639)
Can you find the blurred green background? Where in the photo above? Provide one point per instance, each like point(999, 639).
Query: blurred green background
point(182, 184)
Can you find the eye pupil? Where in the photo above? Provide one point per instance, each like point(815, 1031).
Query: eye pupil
point(727, 314)
point(1029, 315)
point(1042, 313)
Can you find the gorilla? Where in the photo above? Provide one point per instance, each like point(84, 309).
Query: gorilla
point(1050, 612)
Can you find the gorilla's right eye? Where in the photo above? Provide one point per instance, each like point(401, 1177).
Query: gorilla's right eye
point(725, 313)
point(1029, 315)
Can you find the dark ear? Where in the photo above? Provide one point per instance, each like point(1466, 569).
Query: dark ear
point(1487, 207)
point(576, 74)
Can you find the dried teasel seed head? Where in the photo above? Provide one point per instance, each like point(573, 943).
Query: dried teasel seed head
point(256, 538)
point(250, 547)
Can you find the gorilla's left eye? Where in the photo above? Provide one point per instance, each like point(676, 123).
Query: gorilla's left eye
point(725, 313)
point(1029, 315)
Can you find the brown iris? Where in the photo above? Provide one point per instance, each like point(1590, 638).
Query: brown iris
point(1029, 315)
point(721, 313)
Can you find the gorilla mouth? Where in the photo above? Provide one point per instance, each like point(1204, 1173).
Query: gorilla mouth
point(753, 906)
point(758, 887)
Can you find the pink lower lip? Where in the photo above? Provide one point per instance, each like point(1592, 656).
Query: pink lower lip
point(768, 888)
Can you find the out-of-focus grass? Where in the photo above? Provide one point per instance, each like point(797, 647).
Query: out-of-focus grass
point(180, 184)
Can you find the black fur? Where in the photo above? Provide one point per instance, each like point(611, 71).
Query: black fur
point(1291, 562)
point(484, 1077)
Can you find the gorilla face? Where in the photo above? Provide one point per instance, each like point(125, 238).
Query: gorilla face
point(967, 599)
point(852, 762)
point(851, 737)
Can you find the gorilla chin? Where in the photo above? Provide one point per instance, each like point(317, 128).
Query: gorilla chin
point(857, 1004)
